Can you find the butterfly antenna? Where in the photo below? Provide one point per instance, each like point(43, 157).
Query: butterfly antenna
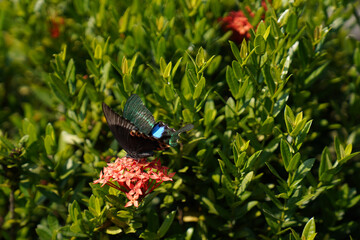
point(184, 129)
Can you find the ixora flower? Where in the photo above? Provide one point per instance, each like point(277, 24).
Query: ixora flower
point(55, 26)
point(136, 178)
point(238, 23)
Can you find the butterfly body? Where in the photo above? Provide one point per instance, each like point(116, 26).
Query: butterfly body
point(137, 132)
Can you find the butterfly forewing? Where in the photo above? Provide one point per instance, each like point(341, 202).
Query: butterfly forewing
point(136, 112)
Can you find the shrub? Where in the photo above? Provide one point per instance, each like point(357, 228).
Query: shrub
point(276, 118)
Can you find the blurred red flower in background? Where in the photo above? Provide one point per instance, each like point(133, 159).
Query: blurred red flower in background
point(238, 23)
point(136, 178)
point(55, 24)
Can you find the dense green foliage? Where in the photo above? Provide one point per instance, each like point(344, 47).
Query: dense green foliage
point(276, 118)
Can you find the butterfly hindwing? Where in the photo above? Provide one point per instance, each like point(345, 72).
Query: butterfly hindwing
point(136, 112)
point(135, 143)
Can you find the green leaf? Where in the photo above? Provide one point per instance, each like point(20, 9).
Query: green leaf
point(302, 135)
point(9, 145)
point(187, 115)
point(89, 158)
point(301, 172)
point(235, 51)
point(125, 66)
point(92, 68)
point(191, 77)
point(200, 57)
point(228, 164)
point(175, 67)
point(95, 131)
point(357, 58)
point(275, 30)
point(230, 112)
point(74, 210)
point(162, 66)
point(239, 159)
point(245, 182)
point(199, 88)
point(60, 90)
point(237, 69)
point(271, 195)
point(168, 92)
point(148, 235)
point(232, 82)
point(94, 205)
point(310, 80)
point(43, 232)
point(348, 149)
point(285, 153)
point(68, 232)
point(49, 145)
point(52, 222)
point(127, 81)
point(113, 230)
point(214, 208)
point(166, 224)
point(70, 76)
point(267, 126)
point(273, 171)
point(30, 129)
point(347, 158)
point(98, 52)
point(266, 33)
point(252, 159)
point(289, 119)
point(325, 164)
point(240, 143)
point(123, 23)
point(243, 49)
point(225, 172)
point(339, 149)
point(280, 103)
point(291, 25)
point(207, 63)
point(294, 162)
point(49, 131)
point(260, 45)
point(243, 89)
point(260, 30)
point(298, 128)
point(161, 48)
point(309, 231)
point(283, 17)
point(167, 70)
point(214, 65)
point(268, 79)
point(81, 94)
point(245, 208)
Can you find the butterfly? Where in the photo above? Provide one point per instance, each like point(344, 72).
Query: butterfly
point(137, 132)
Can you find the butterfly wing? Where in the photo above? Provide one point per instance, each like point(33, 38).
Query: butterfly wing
point(136, 144)
point(136, 112)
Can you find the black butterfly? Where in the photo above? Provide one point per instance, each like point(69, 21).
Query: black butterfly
point(137, 132)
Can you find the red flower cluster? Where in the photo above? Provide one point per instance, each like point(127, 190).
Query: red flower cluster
point(136, 178)
point(55, 24)
point(238, 23)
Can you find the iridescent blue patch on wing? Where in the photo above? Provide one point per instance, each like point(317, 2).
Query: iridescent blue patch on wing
point(157, 131)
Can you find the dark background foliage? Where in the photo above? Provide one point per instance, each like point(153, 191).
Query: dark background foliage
point(274, 149)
